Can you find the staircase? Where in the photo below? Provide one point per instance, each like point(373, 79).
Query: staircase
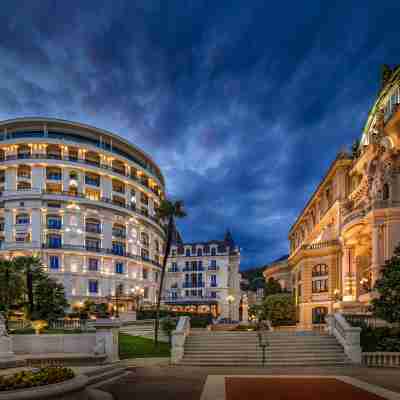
point(242, 348)
point(143, 328)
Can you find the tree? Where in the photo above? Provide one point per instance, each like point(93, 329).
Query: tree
point(12, 286)
point(387, 305)
point(272, 286)
point(167, 211)
point(33, 270)
point(50, 301)
point(279, 308)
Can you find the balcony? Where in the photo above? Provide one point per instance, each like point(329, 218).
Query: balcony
point(213, 268)
point(119, 234)
point(190, 300)
point(92, 182)
point(73, 159)
point(320, 245)
point(98, 249)
point(173, 270)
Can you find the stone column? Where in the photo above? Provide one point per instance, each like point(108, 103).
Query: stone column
point(38, 181)
point(8, 225)
point(375, 265)
point(348, 276)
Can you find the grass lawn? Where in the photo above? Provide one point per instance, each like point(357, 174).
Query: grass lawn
point(140, 347)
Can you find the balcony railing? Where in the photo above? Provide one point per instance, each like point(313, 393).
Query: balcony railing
point(101, 250)
point(193, 269)
point(320, 245)
point(188, 299)
point(193, 284)
point(93, 228)
point(75, 160)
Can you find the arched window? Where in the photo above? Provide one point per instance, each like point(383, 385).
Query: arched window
point(119, 231)
point(319, 314)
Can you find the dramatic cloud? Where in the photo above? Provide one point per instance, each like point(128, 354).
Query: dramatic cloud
point(242, 104)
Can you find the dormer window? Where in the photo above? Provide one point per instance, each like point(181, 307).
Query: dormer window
point(213, 251)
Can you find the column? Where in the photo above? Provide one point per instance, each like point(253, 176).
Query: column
point(106, 186)
point(348, 275)
point(11, 179)
point(376, 259)
point(36, 226)
point(38, 181)
point(107, 234)
point(8, 225)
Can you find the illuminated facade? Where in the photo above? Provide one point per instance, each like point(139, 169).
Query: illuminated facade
point(351, 224)
point(84, 200)
point(204, 277)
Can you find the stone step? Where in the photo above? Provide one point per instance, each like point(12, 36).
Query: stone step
point(102, 374)
point(259, 364)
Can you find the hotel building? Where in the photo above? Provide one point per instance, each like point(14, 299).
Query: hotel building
point(84, 200)
point(204, 277)
point(351, 224)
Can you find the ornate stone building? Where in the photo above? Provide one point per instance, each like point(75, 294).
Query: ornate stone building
point(84, 200)
point(204, 277)
point(351, 224)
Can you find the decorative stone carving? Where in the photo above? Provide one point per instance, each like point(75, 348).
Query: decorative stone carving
point(6, 353)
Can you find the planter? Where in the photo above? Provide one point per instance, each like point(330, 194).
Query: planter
point(72, 389)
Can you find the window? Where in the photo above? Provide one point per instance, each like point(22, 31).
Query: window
point(54, 222)
point(319, 314)
point(54, 173)
point(22, 219)
point(119, 268)
point(187, 252)
point(54, 241)
point(118, 248)
point(213, 280)
point(92, 179)
point(320, 270)
point(213, 251)
point(54, 262)
point(93, 286)
point(93, 264)
point(146, 293)
point(187, 293)
point(92, 244)
point(173, 252)
point(320, 285)
point(174, 295)
point(118, 186)
point(145, 274)
point(385, 194)
point(174, 267)
point(213, 265)
point(213, 295)
point(119, 231)
point(93, 225)
point(199, 252)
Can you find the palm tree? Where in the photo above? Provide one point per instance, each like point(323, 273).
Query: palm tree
point(167, 211)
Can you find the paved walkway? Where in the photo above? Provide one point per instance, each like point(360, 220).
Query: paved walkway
point(186, 383)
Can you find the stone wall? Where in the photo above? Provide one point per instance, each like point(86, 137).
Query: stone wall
point(58, 343)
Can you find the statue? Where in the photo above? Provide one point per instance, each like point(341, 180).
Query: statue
point(7, 355)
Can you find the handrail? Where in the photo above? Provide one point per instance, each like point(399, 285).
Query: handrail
point(178, 339)
point(347, 335)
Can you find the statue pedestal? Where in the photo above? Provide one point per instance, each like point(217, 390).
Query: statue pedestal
point(7, 356)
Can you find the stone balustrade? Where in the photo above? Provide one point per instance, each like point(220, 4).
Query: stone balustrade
point(381, 359)
point(178, 339)
point(347, 336)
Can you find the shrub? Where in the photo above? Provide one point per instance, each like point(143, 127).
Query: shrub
point(28, 379)
point(379, 339)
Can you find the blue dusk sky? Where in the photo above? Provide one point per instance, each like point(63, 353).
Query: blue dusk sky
point(243, 104)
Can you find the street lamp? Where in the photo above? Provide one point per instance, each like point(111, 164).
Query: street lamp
point(230, 300)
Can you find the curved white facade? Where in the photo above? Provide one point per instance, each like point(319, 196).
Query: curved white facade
point(84, 200)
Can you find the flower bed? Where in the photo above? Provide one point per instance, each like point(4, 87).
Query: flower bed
point(29, 379)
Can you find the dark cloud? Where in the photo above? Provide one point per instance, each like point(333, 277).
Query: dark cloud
point(243, 106)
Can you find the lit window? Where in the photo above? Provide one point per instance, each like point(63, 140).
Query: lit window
point(93, 264)
point(22, 219)
point(93, 286)
point(119, 268)
point(54, 262)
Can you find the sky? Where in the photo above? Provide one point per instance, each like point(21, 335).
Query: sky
point(243, 104)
